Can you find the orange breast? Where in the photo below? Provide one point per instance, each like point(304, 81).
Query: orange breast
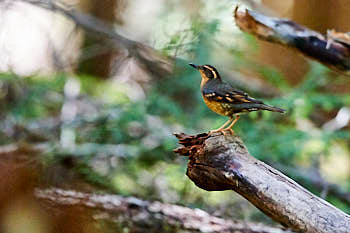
point(224, 109)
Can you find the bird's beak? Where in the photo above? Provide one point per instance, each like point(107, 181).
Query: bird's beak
point(194, 66)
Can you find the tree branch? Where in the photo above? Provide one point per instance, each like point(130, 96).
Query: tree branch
point(333, 49)
point(221, 162)
point(145, 215)
point(311, 177)
point(151, 60)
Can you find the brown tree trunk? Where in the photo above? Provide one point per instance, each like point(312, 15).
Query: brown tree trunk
point(101, 64)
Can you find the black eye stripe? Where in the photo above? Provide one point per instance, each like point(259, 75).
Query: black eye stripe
point(209, 73)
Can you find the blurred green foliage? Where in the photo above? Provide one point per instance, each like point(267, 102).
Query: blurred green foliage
point(144, 164)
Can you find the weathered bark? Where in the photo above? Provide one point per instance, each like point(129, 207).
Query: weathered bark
point(333, 49)
point(313, 178)
point(221, 162)
point(145, 216)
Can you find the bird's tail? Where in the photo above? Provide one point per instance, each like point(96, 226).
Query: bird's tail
point(271, 108)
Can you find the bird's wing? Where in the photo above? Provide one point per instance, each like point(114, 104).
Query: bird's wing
point(227, 94)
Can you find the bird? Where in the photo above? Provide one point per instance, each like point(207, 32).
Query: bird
point(224, 99)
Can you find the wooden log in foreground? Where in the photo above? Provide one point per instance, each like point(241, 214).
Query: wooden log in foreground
point(146, 216)
point(220, 162)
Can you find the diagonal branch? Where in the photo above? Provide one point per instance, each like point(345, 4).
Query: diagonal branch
point(152, 60)
point(219, 162)
point(333, 49)
point(316, 181)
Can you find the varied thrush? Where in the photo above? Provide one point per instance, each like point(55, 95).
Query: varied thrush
point(225, 100)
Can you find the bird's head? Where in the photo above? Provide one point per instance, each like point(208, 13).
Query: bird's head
point(207, 72)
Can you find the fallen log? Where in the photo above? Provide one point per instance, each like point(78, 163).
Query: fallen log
point(146, 216)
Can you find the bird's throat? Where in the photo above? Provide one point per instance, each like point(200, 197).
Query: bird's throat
point(203, 82)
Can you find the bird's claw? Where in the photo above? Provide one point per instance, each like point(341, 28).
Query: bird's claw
point(214, 131)
point(230, 132)
point(222, 131)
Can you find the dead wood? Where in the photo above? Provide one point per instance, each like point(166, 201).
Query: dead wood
point(219, 162)
point(312, 177)
point(333, 49)
point(146, 216)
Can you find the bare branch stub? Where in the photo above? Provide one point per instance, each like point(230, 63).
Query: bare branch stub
point(333, 49)
point(222, 162)
point(203, 169)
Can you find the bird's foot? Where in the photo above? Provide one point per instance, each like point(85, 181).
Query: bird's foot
point(228, 132)
point(215, 131)
point(222, 131)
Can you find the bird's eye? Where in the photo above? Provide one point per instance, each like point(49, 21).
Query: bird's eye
point(209, 73)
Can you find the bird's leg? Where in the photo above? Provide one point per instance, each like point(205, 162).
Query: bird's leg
point(229, 128)
point(222, 127)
